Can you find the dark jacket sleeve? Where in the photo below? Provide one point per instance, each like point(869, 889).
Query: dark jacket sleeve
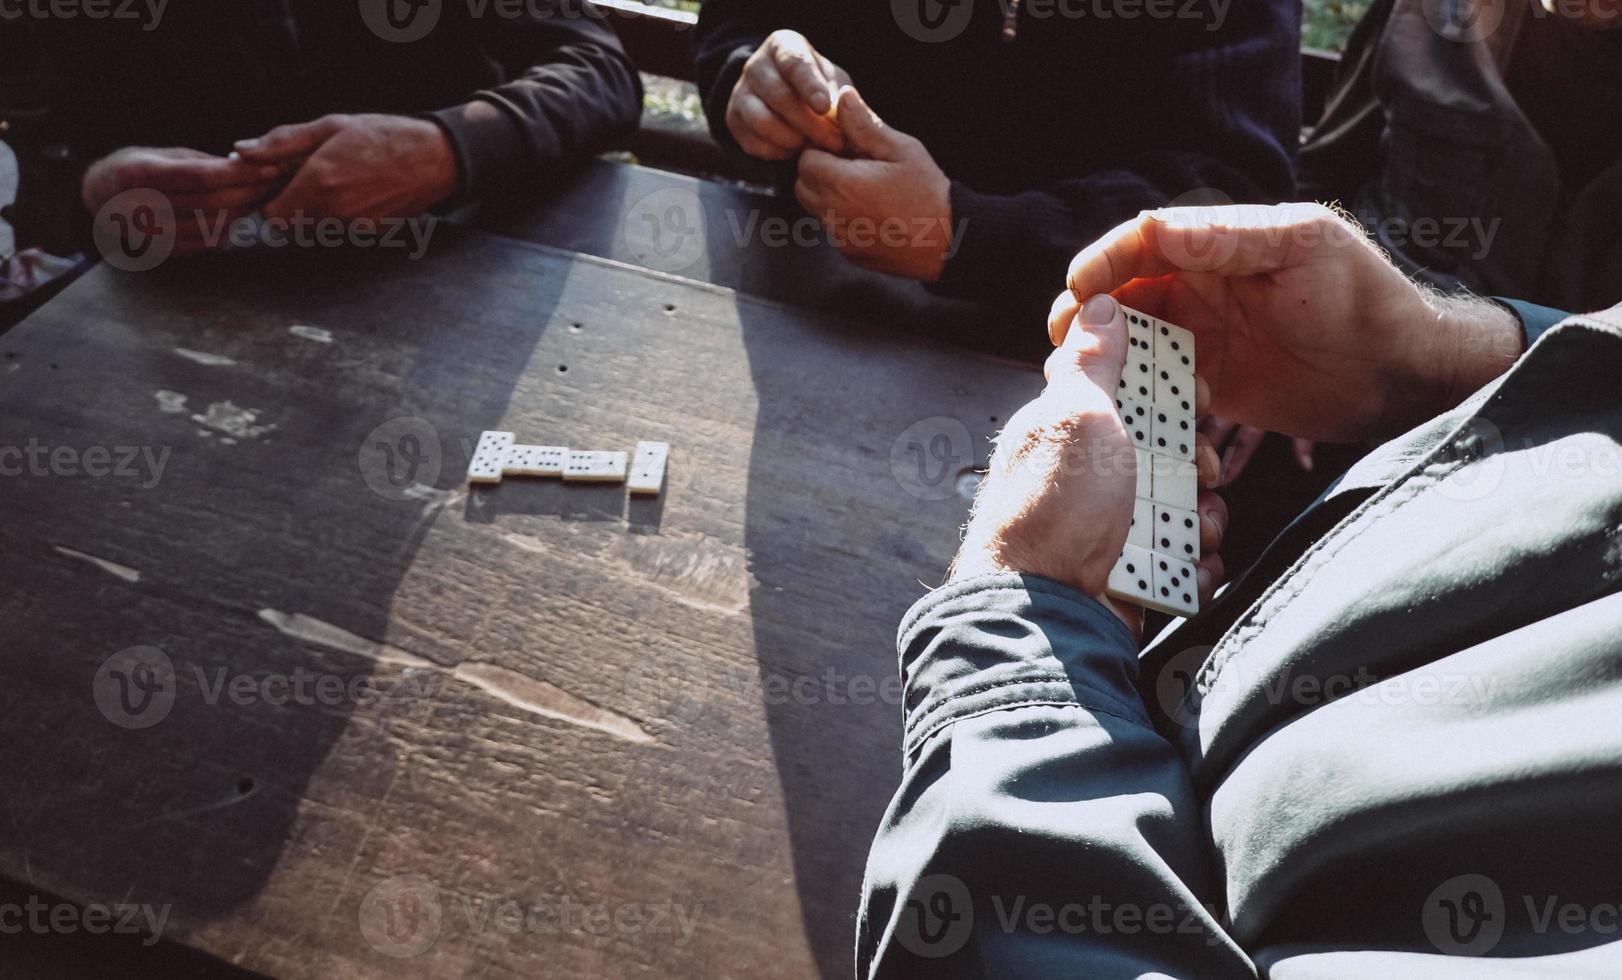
point(573, 94)
point(1042, 827)
point(728, 32)
point(1224, 130)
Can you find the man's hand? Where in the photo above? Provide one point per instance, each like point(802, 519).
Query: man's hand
point(783, 99)
point(1057, 501)
point(1236, 444)
point(891, 210)
point(1303, 327)
point(357, 166)
point(207, 192)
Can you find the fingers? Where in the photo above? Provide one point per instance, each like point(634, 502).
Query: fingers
point(289, 142)
point(225, 199)
point(1061, 314)
point(1208, 574)
point(1096, 349)
point(302, 194)
point(1246, 440)
point(1301, 449)
point(1207, 462)
point(863, 129)
point(1213, 511)
point(763, 82)
point(802, 69)
point(192, 174)
point(818, 173)
point(1236, 240)
point(760, 132)
point(838, 76)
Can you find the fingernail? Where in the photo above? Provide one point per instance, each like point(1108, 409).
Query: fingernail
point(1210, 516)
point(1099, 310)
point(1203, 577)
point(820, 101)
point(252, 144)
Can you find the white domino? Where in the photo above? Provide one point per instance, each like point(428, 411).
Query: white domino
point(1136, 417)
point(1133, 576)
point(1171, 433)
point(1146, 475)
point(534, 461)
point(489, 457)
point(648, 467)
point(589, 466)
point(1176, 590)
point(1156, 402)
point(1173, 346)
point(1141, 533)
point(1137, 378)
point(1174, 482)
point(1176, 533)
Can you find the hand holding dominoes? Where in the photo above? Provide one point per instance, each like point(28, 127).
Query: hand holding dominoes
point(1304, 328)
point(498, 455)
point(1076, 466)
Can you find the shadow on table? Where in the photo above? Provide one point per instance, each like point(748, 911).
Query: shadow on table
point(839, 549)
point(283, 500)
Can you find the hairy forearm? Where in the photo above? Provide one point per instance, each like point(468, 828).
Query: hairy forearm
point(1481, 341)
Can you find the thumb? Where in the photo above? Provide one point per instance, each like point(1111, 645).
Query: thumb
point(867, 133)
point(288, 142)
point(1094, 350)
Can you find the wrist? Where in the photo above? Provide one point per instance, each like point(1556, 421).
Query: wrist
point(444, 177)
point(1480, 341)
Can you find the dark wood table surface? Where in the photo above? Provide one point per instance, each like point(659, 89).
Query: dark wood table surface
point(756, 243)
point(544, 729)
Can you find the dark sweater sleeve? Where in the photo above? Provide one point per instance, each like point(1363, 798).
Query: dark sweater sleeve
point(728, 32)
point(1042, 827)
point(1233, 115)
point(573, 94)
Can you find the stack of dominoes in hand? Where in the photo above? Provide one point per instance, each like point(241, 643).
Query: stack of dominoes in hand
point(1156, 400)
point(497, 455)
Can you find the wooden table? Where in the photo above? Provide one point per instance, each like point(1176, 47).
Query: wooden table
point(756, 243)
point(576, 735)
